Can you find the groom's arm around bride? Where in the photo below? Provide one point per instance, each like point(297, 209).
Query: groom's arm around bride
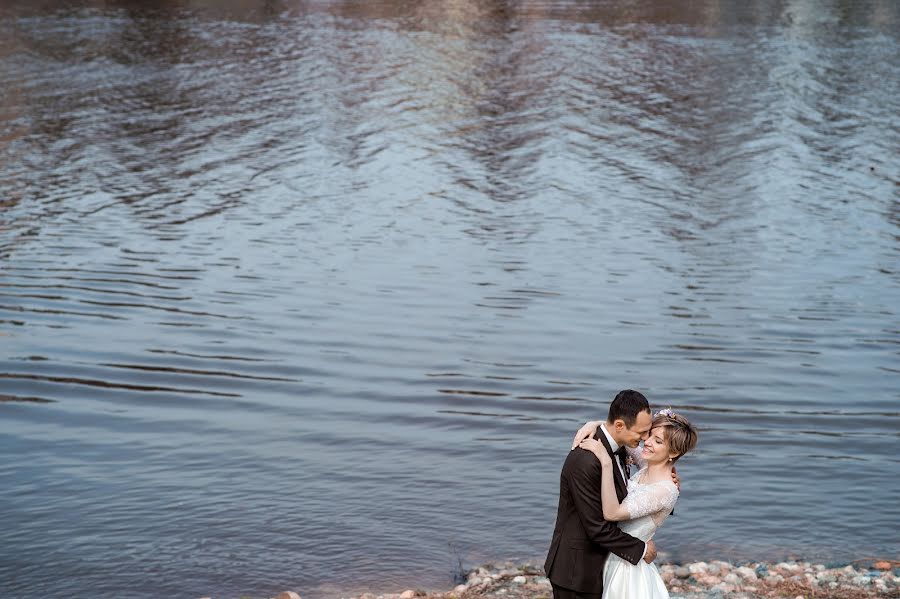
point(582, 538)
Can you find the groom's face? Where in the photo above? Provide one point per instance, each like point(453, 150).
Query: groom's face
point(631, 436)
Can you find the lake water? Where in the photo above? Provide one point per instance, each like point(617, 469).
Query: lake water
point(314, 295)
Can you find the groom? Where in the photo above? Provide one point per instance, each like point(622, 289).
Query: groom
point(582, 538)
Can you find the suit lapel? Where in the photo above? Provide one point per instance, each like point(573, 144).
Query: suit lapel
point(621, 487)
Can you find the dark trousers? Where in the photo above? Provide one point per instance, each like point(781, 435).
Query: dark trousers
point(563, 593)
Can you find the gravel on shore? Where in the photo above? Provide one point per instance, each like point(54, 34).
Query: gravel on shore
point(865, 579)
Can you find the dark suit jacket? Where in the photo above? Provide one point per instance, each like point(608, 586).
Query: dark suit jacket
point(582, 538)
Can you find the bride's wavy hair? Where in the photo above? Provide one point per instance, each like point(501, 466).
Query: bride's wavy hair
point(680, 435)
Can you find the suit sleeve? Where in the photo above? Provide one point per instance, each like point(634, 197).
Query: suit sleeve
point(584, 483)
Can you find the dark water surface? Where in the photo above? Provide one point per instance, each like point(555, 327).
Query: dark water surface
point(314, 295)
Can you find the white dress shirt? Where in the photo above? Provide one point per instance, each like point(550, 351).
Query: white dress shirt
point(615, 447)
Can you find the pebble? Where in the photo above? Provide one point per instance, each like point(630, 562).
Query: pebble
point(287, 595)
point(788, 567)
point(698, 568)
point(715, 579)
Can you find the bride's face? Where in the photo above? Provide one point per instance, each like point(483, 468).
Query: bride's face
point(656, 450)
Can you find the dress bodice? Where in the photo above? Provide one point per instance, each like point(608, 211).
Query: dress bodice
point(648, 506)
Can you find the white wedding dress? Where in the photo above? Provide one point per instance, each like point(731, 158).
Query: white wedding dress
point(648, 505)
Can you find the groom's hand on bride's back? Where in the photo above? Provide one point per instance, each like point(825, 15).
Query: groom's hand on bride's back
point(650, 554)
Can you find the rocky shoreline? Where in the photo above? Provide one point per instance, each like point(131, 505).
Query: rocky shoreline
point(865, 579)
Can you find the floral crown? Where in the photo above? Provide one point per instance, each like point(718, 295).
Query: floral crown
point(668, 413)
point(674, 418)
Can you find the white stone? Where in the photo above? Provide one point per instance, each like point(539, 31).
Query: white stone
point(732, 578)
point(288, 595)
point(793, 568)
point(746, 573)
point(520, 580)
point(407, 594)
point(460, 588)
point(698, 568)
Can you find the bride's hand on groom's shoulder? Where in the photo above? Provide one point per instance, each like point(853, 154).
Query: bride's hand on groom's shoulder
point(676, 480)
point(585, 432)
point(597, 448)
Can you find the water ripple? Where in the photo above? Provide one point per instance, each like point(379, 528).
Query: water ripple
point(289, 292)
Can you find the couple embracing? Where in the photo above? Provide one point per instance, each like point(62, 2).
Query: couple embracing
point(602, 547)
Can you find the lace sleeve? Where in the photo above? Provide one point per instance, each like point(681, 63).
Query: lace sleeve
point(635, 454)
point(649, 499)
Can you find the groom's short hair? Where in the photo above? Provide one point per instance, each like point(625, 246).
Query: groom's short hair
point(626, 406)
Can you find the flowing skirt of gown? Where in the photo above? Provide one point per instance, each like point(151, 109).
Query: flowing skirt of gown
point(621, 580)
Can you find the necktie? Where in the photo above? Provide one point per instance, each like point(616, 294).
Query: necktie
point(622, 454)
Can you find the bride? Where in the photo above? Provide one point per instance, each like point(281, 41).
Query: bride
point(651, 498)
